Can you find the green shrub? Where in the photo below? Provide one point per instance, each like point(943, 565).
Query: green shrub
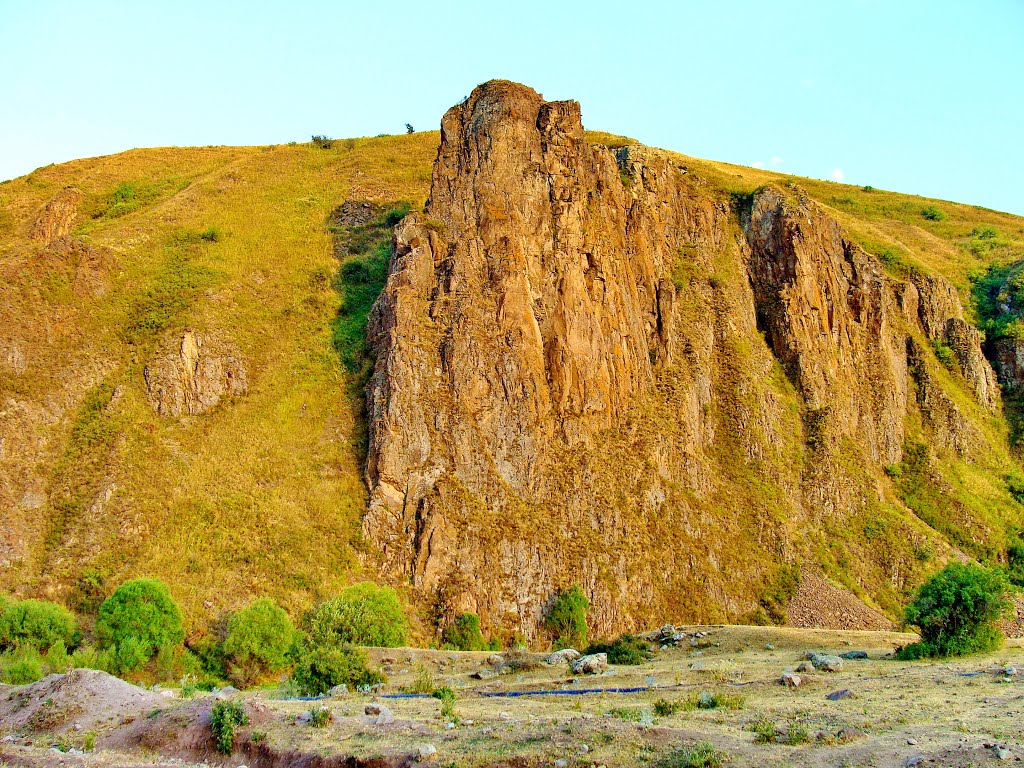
point(319, 717)
point(135, 621)
point(21, 667)
point(796, 733)
point(714, 700)
point(464, 634)
point(566, 621)
point(626, 649)
point(955, 611)
point(764, 731)
point(666, 708)
point(700, 755)
point(447, 698)
point(36, 624)
point(57, 658)
point(320, 669)
point(258, 641)
point(225, 716)
point(364, 614)
point(945, 354)
point(933, 213)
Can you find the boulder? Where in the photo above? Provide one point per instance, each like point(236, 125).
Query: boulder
point(594, 664)
point(790, 680)
point(845, 693)
point(851, 655)
point(563, 656)
point(381, 715)
point(826, 662)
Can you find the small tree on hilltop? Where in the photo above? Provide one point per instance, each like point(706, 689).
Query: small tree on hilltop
point(955, 611)
point(566, 621)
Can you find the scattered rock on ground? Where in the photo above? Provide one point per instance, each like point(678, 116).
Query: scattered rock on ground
point(562, 656)
point(845, 693)
point(826, 662)
point(805, 666)
point(791, 680)
point(426, 750)
point(594, 664)
point(854, 655)
point(381, 714)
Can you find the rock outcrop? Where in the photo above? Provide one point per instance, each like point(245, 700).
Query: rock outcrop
point(570, 371)
point(58, 217)
point(192, 374)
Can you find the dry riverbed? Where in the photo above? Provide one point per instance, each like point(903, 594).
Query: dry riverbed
point(952, 713)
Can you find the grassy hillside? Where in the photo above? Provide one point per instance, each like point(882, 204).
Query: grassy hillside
point(264, 493)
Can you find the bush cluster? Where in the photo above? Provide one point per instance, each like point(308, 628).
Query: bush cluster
point(136, 622)
point(955, 611)
point(464, 634)
point(566, 620)
point(625, 649)
point(259, 639)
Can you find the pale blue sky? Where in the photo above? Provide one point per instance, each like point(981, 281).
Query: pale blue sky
point(919, 96)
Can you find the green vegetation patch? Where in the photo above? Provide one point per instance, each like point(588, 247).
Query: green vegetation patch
point(625, 649)
point(359, 281)
point(566, 620)
point(174, 287)
point(955, 611)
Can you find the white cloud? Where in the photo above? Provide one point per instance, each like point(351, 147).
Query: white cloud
point(758, 164)
point(775, 160)
point(838, 175)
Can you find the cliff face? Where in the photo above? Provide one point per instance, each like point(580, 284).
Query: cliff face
point(593, 367)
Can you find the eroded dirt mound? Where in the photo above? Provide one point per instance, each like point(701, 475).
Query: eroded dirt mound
point(819, 604)
point(83, 697)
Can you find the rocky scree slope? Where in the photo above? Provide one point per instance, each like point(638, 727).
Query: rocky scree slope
point(594, 366)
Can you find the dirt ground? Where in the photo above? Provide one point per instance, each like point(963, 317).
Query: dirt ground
point(964, 712)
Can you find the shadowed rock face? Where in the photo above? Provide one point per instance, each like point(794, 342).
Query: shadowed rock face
point(570, 375)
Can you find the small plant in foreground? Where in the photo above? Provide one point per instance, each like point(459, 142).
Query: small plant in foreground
point(447, 698)
point(700, 755)
point(89, 741)
point(629, 714)
point(764, 731)
point(224, 718)
point(715, 700)
point(423, 682)
point(666, 708)
point(320, 716)
point(796, 733)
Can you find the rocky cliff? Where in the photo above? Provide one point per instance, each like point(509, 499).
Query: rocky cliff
point(594, 366)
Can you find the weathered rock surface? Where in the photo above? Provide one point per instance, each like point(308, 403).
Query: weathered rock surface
point(594, 664)
point(58, 217)
point(192, 373)
point(571, 371)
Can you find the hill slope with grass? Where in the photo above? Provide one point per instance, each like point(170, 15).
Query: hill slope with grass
point(184, 355)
